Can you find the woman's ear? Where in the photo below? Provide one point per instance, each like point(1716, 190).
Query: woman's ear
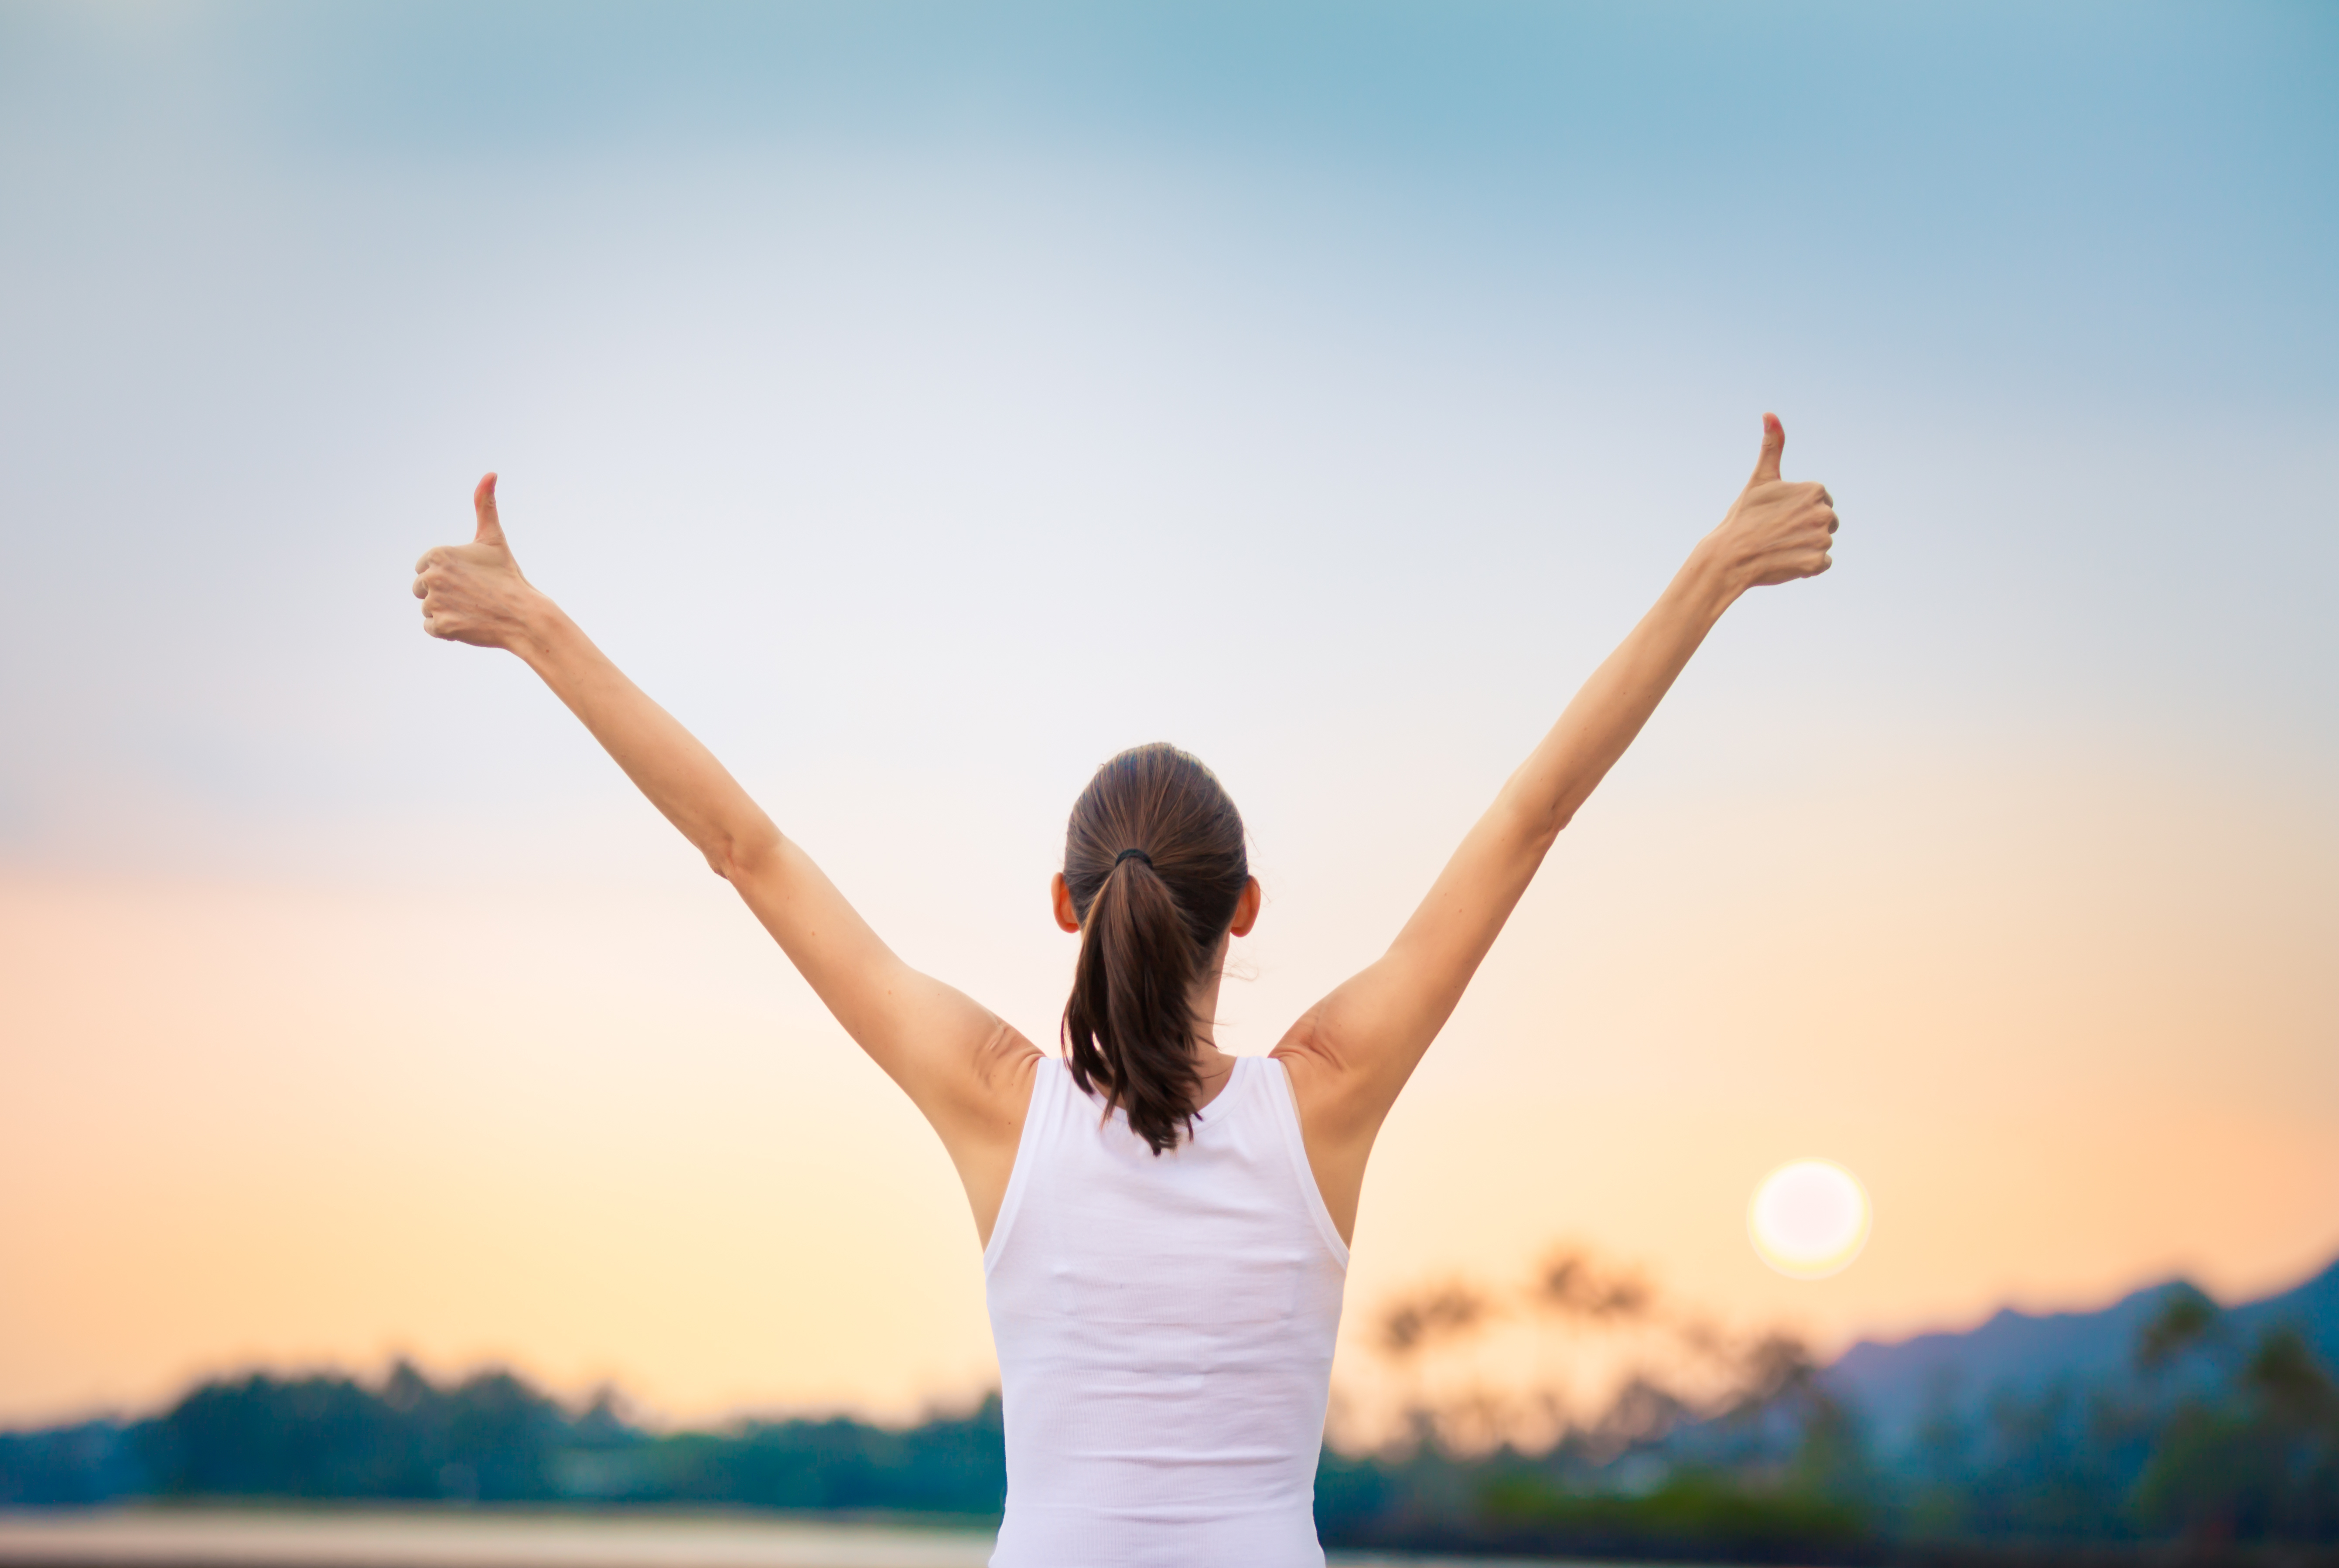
point(1060, 892)
point(1246, 909)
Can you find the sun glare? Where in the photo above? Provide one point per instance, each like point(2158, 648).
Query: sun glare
point(1809, 1219)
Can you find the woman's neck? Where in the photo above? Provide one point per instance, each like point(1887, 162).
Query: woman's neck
point(1216, 1068)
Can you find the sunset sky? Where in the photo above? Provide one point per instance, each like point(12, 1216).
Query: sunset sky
point(926, 402)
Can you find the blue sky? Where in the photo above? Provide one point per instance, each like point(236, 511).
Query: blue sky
point(2058, 282)
point(928, 401)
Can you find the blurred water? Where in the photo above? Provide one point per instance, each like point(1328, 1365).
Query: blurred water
point(423, 1538)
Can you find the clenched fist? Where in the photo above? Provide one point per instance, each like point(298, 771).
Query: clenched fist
point(1776, 531)
point(474, 593)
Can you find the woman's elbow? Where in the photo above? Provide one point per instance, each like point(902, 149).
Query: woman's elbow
point(738, 857)
point(1532, 819)
point(1540, 829)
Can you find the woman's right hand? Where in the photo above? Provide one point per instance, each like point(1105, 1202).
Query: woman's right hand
point(475, 593)
point(1776, 531)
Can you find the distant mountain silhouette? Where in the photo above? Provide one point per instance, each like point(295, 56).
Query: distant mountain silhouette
point(1897, 1387)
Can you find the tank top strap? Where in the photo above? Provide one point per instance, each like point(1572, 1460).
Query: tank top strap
point(1294, 1142)
point(1051, 1086)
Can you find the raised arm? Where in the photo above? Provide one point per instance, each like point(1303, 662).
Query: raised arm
point(963, 1067)
point(1351, 1055)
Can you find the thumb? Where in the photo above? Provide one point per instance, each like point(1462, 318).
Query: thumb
point(1766, 467)
point(483, 502)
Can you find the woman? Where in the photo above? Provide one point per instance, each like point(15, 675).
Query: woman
point(1165, 1227)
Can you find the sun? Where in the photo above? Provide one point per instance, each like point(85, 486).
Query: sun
point(1809, 1219)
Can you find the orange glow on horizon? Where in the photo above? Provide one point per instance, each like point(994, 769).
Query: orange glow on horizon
point(237, 1130)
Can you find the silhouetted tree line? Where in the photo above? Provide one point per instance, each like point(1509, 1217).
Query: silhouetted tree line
point(493, 1438)
point(2206, 1442)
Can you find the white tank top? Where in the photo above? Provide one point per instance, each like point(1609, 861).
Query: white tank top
point(1165, 1328)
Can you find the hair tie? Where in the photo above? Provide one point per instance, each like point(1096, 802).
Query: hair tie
point(1132, 854)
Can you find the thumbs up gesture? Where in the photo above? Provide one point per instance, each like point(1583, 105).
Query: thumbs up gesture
point(1777, 530)
point(474, 593)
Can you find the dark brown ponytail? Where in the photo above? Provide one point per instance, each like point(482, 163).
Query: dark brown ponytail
point(1154, 860)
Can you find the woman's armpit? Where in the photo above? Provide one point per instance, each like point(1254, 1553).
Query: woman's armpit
point(1004, 1067)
